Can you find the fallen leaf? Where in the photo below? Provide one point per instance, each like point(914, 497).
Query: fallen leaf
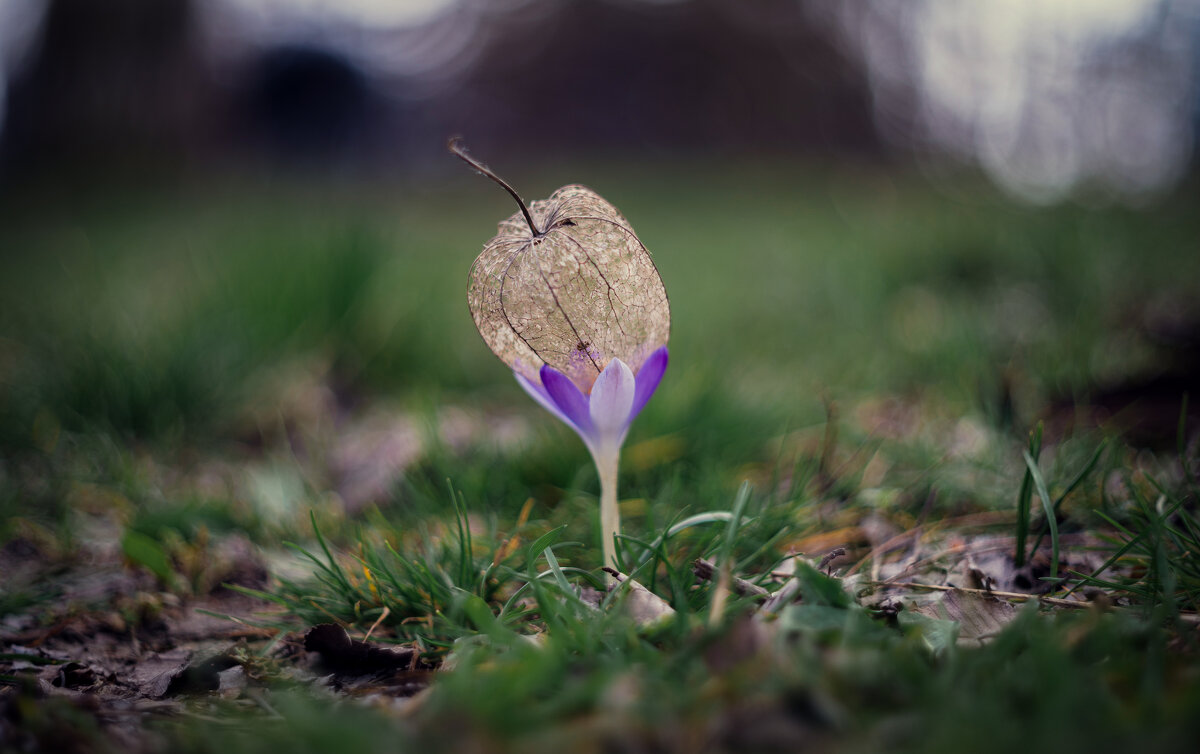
point(153, 674)
point(73, 675)
point(345, 656)
point(978, 618)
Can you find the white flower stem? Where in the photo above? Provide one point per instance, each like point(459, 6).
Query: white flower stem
point(610, 514)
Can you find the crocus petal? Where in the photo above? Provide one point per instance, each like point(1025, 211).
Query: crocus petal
point(571, 403)
point(611, 401)
point(648, 378)
point(539, 394)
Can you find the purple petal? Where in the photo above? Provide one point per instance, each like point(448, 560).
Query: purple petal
point(571, 403)
point(648, 378)
point(539, 394)
point(611, 401)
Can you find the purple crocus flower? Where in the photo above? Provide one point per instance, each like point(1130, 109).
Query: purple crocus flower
point(567, 286)
point(601, 416)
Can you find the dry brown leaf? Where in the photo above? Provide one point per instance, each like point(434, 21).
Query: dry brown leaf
point(342, 655)
point(979, 617)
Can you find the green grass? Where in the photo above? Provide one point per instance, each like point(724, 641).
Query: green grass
point(845, 346)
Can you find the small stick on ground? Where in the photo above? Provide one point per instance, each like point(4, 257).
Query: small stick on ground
point(1014, 596)
point(705, 571)
point(831, 556)
point(784, 596)
point(386, 612)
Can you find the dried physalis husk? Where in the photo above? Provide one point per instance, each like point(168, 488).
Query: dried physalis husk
point(567, 283)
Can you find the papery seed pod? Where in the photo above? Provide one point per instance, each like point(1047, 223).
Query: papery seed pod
point(566, 282)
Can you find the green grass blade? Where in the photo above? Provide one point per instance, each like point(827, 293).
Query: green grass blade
point(649, 566)
point(540, 544)
point(464, 535)
point(334, 569)
point(1025, 494)
point(735, 521)
point(258, 594)
point(1115, 524)
point(556, 569)
point(726, 555)
point(322, 567)
point(1105, 566)
point(1119, 587)
point(712, 517)
point(1048, 506)
point(1083, 474)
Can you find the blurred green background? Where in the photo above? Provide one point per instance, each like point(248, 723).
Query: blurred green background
point(231, 319)
point(210, 194)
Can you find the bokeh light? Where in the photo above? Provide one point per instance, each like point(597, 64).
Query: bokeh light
point(1050, 97)
point(19, 22)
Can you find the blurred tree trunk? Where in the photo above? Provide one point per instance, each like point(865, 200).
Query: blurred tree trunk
point(115, 86)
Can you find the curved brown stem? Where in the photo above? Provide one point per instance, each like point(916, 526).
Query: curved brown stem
point(456, 148)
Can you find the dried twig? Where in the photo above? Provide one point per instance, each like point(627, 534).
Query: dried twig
point(386, 612)
point(831, 556)
point(705, 570)
point(1014, 596)
point(784, 596)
